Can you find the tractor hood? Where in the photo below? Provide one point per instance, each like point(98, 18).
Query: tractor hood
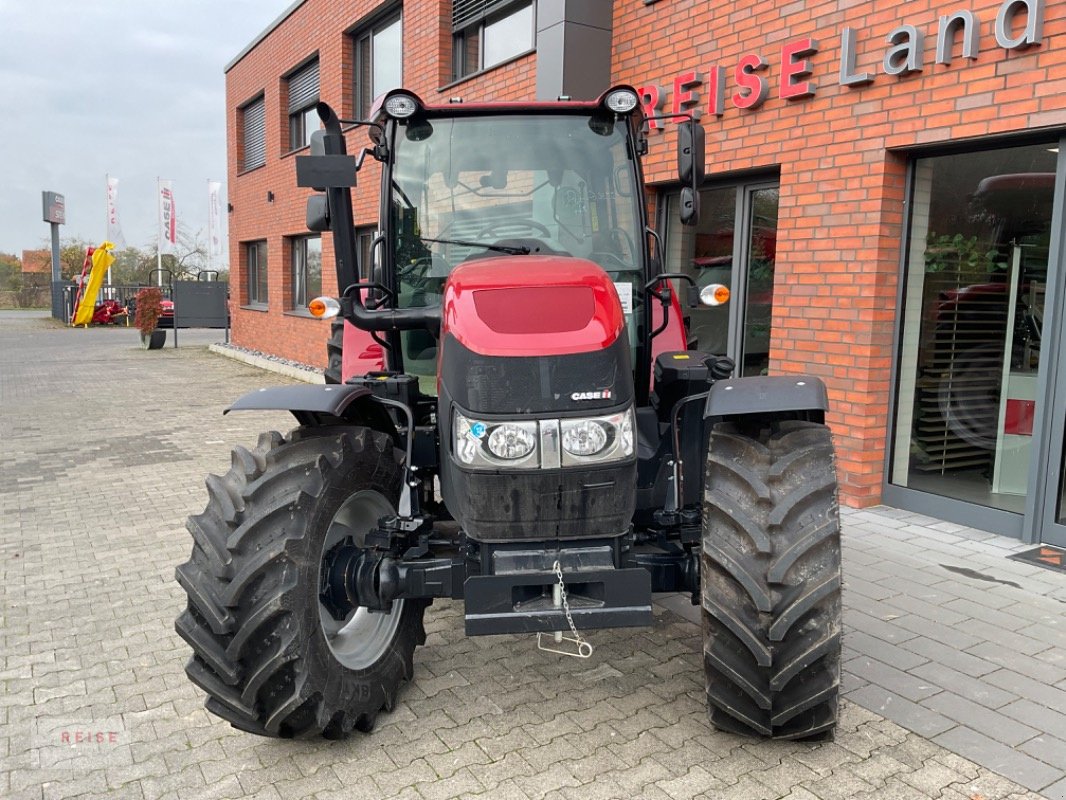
point(531, 306)
point(530, 335)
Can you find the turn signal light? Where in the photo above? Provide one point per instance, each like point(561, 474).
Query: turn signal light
point(715, 294)
point(324, 307)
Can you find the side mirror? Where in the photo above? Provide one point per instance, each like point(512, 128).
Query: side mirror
point(691, 153)
point(318, 213)
point(691, 168)
point(690, 206)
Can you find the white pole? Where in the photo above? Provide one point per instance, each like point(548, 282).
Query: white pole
point(107, 222)
point(210, 229)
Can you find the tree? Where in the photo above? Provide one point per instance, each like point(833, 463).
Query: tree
point(71, 258)
point(10, 272)
point(136, 266)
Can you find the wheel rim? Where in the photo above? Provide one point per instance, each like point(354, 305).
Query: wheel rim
point(360, 639)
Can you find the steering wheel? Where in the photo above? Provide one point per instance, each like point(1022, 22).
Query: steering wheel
point(507, 227)
point(412, 267)
point(609, 261)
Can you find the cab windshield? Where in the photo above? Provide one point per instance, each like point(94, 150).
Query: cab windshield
point(469, 188)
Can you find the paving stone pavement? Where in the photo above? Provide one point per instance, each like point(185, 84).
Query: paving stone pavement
point(103, 450)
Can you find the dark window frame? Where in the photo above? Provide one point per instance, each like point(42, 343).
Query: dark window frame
point(252, 157)
point(302, 109)
point(301, 292)
point(468, 38)
point(362, 43)
point(256, 282)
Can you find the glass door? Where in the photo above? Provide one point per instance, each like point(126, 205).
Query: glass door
point(1046, 510)
point(734, 246)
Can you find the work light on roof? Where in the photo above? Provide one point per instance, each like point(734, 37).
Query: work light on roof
point(401, 106)
point(621, 101)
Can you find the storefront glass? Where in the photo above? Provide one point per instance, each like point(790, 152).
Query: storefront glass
point(970, 353)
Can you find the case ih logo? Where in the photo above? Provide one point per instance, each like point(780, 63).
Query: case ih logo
point(603, 394)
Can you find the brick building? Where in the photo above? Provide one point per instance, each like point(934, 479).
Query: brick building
point(884, 197)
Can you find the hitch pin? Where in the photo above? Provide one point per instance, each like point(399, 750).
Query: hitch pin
point(579, 648)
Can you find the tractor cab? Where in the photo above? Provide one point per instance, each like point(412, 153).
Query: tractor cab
point(558, 183)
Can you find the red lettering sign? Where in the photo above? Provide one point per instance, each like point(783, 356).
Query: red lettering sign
point(684, 97)
point(794, 65)
point(652, 99)
point(753, 87)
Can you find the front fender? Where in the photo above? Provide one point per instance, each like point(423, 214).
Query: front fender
point(765, 394)
point(319, 405)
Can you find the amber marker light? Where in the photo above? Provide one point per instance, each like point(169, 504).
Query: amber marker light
point(324, 307)
point(716, 294)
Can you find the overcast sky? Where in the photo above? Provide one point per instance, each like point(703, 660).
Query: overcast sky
point(134, 89)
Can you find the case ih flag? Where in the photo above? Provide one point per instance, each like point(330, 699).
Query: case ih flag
point(168, 219)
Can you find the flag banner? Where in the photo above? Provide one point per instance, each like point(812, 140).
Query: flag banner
point(168, 218)
point(102, 259)
point(214, 217)
point(114, 229)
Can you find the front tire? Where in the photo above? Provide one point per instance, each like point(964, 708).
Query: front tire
point(770, 575)
point(333, 372)
point(270, 658)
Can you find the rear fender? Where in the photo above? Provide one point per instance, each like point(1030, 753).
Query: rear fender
point(321, 405)
point(799, 396)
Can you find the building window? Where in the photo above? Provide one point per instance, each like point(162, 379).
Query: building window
point(378, 61)
point(364, 238)
point(303, 97)
point(306, 270)
point(253, 135)
point(973, 306)
point(487, 33)
point(256, 259)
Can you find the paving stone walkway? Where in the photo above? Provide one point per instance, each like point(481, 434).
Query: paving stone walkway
point(953, 678)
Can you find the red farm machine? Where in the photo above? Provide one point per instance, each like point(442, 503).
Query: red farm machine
point(518, 426)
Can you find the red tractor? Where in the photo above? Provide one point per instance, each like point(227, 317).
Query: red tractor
point(538, 443)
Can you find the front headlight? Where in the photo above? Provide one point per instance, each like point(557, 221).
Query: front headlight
point(584, 437)
point(597, 440)
point(563, 443)
point(509, 441)
point(495, 444)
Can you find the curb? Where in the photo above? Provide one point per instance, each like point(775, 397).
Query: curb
point(305, 374)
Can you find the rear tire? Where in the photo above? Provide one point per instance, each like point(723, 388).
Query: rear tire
point(271, 661)
point(334, 348)
point(770, 575)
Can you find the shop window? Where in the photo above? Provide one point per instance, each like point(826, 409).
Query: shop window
point(970, 353)
point(255, 254)
point(303, 97)
point(378, 61)
point(306, 259)
point(488, 33)
point(252, 121)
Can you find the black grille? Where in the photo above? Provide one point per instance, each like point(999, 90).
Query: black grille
point(536, 384)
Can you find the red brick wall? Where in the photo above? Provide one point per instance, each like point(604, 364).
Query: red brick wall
point(840, 154)
point(841, 166)
point(323, 26)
